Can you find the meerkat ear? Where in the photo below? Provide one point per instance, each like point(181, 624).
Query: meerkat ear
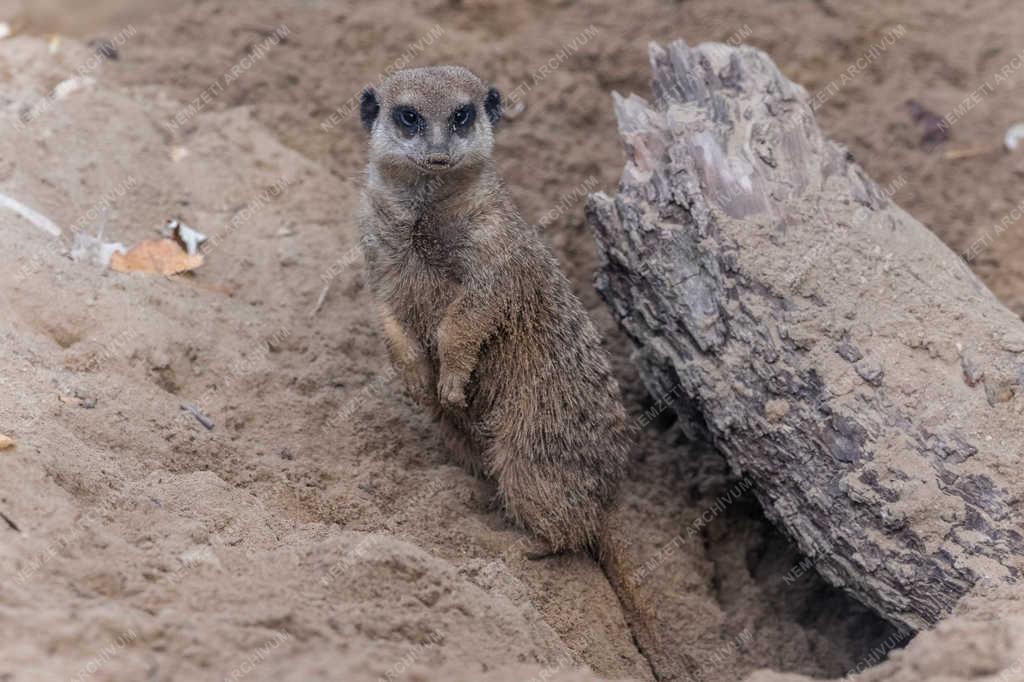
point(492, 105)
point(369, 107)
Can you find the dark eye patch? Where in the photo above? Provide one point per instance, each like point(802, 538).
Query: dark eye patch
point(408, 120)
point(462, 118)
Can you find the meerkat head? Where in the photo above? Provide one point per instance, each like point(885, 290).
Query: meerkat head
point(431, 120)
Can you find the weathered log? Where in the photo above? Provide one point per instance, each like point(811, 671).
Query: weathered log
point(834, 350)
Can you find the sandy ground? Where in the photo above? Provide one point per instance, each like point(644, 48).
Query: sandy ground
point(318, 531)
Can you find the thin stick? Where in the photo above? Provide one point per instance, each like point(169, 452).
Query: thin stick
point(320, 300)
point(30, 214)
point(200, 417)
point(10, 523)
point(954, 154)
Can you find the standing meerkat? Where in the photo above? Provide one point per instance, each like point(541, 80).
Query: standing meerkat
point(479, 319)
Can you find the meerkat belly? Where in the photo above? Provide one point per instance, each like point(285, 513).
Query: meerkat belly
point(543, 369)
point(420, 306)
point(419, 295)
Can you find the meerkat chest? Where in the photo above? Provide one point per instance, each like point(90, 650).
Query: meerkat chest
point(415, 236)
point(438, 243)
point(426, 269)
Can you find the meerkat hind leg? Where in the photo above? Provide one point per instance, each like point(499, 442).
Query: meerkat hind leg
point(540, 498)
point(462, 446)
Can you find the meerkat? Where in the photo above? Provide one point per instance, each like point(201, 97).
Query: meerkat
point(478, 317)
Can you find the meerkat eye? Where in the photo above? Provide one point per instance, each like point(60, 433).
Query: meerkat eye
point(408, 119)
point(463, 117)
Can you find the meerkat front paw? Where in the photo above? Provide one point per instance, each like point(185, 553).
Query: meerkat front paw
point(418, 378)
point(408, 358)
point(451, 390)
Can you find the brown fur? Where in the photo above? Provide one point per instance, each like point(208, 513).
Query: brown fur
point(480, 320)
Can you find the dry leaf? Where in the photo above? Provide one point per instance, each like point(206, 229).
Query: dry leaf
point(5, 442)
point(157, 256)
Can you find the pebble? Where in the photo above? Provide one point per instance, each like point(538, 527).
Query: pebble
point(870, 371)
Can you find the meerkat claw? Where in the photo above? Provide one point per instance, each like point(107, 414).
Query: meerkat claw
point(543, 553)
point(418, 378)
point(451, 392)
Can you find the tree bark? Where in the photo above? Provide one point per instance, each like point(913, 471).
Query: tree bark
point(834, 350)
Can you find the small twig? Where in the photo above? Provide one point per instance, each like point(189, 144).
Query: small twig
point(10, 522)
point(320, 300)
point(200, 417)
point(260, 31)
point(31, 215)
point(954, 154)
